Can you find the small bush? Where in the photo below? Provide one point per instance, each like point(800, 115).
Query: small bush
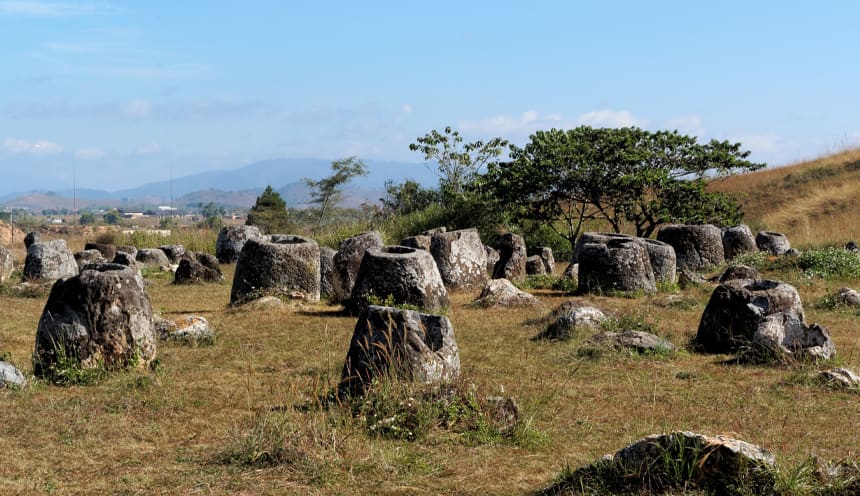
point(408, 411)
point(828, 263)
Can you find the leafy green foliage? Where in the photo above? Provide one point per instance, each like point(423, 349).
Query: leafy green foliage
point(459, 163)
point(830, 263)
point(269, 213)
point(407, 197)
point(112, 217)
point(87, 219)
point(565, 179)
point(401, 410)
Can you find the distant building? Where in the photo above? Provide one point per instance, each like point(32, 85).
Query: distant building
point(132, 215)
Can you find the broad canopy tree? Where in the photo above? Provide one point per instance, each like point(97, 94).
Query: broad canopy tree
point(567, 178)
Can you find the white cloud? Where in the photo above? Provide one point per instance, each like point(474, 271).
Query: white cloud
point(137, 108)
point(687, 124)
point(609, 118)
point(89, 154)
point(36, 8)
point(15, 146)
point(525, 123)
point(407, 109)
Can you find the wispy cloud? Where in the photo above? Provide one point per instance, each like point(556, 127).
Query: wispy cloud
point(16, 146)
point(531, 121)
point(140, 109)
point(609, 118)
point(504, 125)
point(687, 124)
point(36, 8)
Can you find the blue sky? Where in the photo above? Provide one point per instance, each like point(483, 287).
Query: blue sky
point(129, 90)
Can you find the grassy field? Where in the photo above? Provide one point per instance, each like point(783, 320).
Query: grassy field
point(812, 202)
point(199, 422)
point(248, 414)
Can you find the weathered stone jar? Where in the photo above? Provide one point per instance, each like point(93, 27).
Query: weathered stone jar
point(403, 344)
point(622, 264)
point(407, 275)
point(460, 257)
point(232, 239)
point(697, 247)
point(102, 317)
point(282, 265)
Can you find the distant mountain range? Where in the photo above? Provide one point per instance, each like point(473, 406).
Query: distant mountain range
point(238, 187)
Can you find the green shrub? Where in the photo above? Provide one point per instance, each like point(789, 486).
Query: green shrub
point(830, 263)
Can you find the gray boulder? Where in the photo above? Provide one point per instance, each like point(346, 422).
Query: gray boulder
point(409, 276)
point(32, 238)
point(737, 308)
point(596, 237)
point(840, 378)
point(535, 266)
point(11, 376)
point(328, 283)
point(420, 241)
point(697, 247)
point(512, 258)
point(788, 338)
point(108, 251)
point(638, 341)
point(283, 265)
point(347, 261)
point(546, 255)
point(622, 264)
point(7, 265)
point(125, 258)
point(733, 272)
point(402, 343)
point(196, 268)
point(848, 297)
point(86, 257)
point(738, 240)
point(232, 239)
point(714, 465)
point(661, 255)
point(49, 261)
point(503, 294)
point(460, 257)
point(174, 252)
point(571, 316)
point(102, 317)
point(131, 251)
point(193, 329)
point(772, 242)
point(152, 257)
point(492, 258)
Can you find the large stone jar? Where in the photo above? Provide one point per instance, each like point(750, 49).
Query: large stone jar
point(460, 257)
point(100, 318)
point(399, 275)
point(281, 265)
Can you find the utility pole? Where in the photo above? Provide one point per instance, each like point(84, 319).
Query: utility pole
point(74, 193)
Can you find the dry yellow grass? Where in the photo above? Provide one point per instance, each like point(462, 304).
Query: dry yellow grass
point(813, 202)
point(167, 432)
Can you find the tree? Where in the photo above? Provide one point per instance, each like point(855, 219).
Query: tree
point(112, 218)
point(566, 178)
point(460, 164)
point(87, 218)
point(407, 197)
point(328, 191)
point(269, 213)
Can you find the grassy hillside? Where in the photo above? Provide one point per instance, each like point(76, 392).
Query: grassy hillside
point(814, 202)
